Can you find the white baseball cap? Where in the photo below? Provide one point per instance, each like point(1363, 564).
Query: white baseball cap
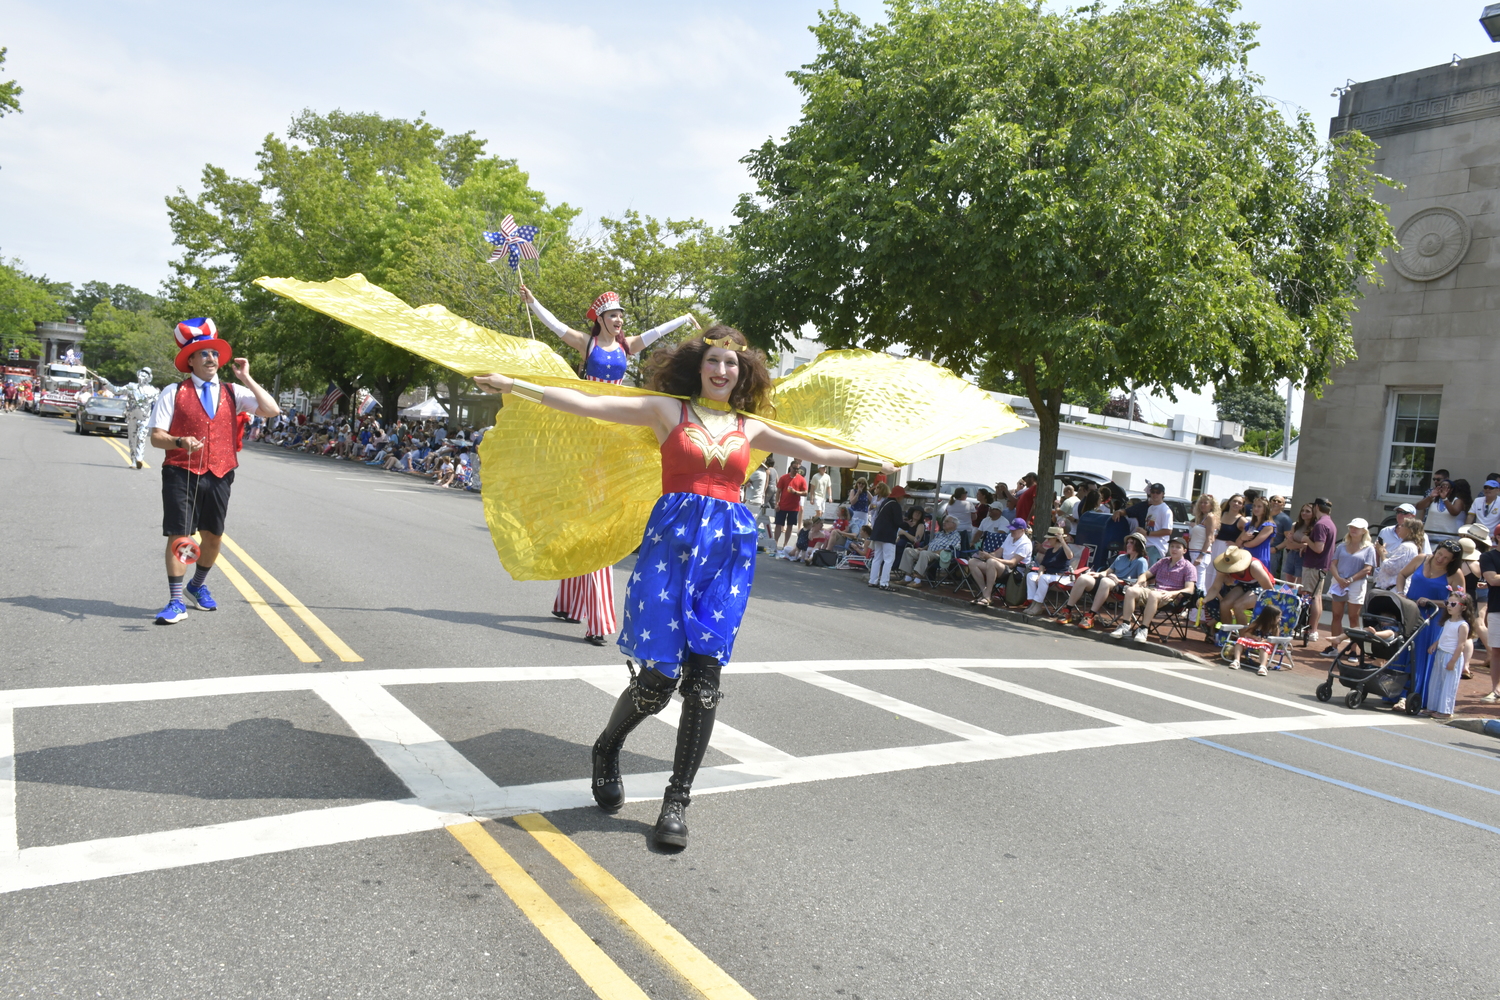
point(1360, 522)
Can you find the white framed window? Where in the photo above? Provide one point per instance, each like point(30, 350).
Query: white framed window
point(1200, 483)
point(1061, 465)
point(1408, 452)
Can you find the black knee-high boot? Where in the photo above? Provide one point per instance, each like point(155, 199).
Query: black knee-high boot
point(700, 703)
point(648, 693)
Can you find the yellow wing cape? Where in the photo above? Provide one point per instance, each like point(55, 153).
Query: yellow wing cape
point(565, 495)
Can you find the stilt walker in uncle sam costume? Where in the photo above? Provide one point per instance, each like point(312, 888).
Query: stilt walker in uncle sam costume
point(580, 473)
point(140, 397)
point(194, 422)
point(606, 353)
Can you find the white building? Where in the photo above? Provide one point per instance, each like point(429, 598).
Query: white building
point(1183, 456)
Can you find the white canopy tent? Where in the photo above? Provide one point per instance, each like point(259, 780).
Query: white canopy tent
point(428, 409)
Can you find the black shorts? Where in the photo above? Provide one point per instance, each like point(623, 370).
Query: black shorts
point(787, 517)
point(180, 516)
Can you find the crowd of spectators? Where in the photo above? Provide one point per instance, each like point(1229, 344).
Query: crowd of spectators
point(425, 448)
point(1227, 554)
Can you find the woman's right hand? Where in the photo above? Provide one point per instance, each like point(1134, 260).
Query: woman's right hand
point(526, 295)
point(491, 384)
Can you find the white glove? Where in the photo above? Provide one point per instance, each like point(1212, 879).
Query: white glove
point(550, 321)
point(657, 332)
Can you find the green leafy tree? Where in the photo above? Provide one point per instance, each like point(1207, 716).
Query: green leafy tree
point(120, 341)
point(25, 301)
point(1082, 198)
point(1257, 407)
point(344, 193)
point(81, 301)
point(10, 92)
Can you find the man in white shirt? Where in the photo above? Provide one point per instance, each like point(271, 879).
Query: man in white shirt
point(1158, 526)
point(755, 498)
point(819, 489)
point(200, 437)
point(1486, 509)
point(1389, 541)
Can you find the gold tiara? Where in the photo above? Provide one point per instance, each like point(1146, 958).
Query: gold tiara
point(725, 342)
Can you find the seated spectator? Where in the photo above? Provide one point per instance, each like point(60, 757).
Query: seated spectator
point(1238, 582)
point(1266, 624)
point(812, 537)
point(994, 521)
point(915, 561)
point(444, 472)
point(1051, 565)
point(912, 534)
point(861, 545)
point(990, 565)
point(1128, 567)
point(839, 534)
point(1172, 575)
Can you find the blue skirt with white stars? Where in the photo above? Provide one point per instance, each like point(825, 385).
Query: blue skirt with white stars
point(691, 582)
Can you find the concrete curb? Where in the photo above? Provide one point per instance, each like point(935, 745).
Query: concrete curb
point(1156, 648)
point(1484, 727)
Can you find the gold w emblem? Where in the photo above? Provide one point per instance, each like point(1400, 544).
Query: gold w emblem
point(714, 450)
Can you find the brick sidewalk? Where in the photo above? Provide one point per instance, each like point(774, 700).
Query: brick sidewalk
point(1306, 661)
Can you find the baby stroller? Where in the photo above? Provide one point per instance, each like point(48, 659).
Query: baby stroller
point(1356, 663)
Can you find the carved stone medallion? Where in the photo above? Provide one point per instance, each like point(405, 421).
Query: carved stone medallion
point(1430, 244)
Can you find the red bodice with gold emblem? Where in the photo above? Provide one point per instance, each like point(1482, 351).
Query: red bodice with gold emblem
point(693, 461)
point(190, 420)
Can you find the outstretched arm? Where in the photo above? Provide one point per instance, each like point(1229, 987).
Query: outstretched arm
point(640, 342)
point(573, 338)
point(656, 412)
point(768, 438)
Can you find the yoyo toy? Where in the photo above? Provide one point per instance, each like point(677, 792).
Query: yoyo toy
point(185, 550)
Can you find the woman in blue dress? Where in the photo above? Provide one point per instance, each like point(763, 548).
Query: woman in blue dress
point(1429, 581)
point(692, 577)
point(606, 351)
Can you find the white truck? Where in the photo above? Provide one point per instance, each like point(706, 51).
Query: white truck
point(60, 388)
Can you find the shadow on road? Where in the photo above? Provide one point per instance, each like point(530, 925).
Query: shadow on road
point(250, 759)
point(75, 609)
point(524, 757)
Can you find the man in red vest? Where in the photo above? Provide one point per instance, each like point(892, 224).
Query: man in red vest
point(195, 423)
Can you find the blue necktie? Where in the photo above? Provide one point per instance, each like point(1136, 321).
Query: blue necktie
point(208, 399)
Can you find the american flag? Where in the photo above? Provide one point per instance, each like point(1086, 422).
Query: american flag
point(513, 242)
point(330, 400)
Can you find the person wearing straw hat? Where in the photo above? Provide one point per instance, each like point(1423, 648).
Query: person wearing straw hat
point(1238, 584)
point(590, 599)
point(195, 424)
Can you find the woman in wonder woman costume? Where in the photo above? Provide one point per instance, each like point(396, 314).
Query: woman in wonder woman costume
point(692, 578)
point(594, 483)
point(606, 352)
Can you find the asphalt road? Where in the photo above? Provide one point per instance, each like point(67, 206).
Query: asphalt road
point(903, 799)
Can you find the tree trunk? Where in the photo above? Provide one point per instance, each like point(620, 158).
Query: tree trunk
point(1047, 402)
point(456, 388)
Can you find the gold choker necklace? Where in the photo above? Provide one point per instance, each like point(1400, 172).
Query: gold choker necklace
point(710, 404)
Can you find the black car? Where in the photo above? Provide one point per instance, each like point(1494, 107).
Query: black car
point(101, 414)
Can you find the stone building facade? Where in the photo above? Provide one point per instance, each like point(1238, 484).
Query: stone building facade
point(1422, 394)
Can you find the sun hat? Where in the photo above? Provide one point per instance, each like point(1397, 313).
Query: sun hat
point(1019, 524)
point(1478, 532)
point(1055, 532)
point(1359, 522)
point(603, 304)
point(1233, 560)
point(1467, 545)
point(200, 334)
point(1140, 539)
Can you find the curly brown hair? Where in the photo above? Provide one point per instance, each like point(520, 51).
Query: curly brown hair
point(677, 370)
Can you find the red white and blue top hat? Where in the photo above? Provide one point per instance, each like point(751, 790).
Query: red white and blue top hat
point(603, 304)
point(200, 334)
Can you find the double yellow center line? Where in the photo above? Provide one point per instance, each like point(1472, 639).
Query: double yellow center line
point(277, 624)
point(596, 968)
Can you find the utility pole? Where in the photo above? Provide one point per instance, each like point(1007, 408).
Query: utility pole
point(1286, 424)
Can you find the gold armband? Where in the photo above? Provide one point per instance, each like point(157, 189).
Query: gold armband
point(862, 464)
point(526, 390)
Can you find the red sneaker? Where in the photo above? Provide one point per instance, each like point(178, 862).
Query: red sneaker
point(1087, 620)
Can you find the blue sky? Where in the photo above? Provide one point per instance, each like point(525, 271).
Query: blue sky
point(609, 106)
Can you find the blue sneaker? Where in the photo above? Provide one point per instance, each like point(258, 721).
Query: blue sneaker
point(174, 612)
point(201, 597)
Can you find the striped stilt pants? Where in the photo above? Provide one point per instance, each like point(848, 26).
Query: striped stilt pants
point(590, 599)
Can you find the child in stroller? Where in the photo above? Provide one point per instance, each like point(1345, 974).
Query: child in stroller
point(1377, 656)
